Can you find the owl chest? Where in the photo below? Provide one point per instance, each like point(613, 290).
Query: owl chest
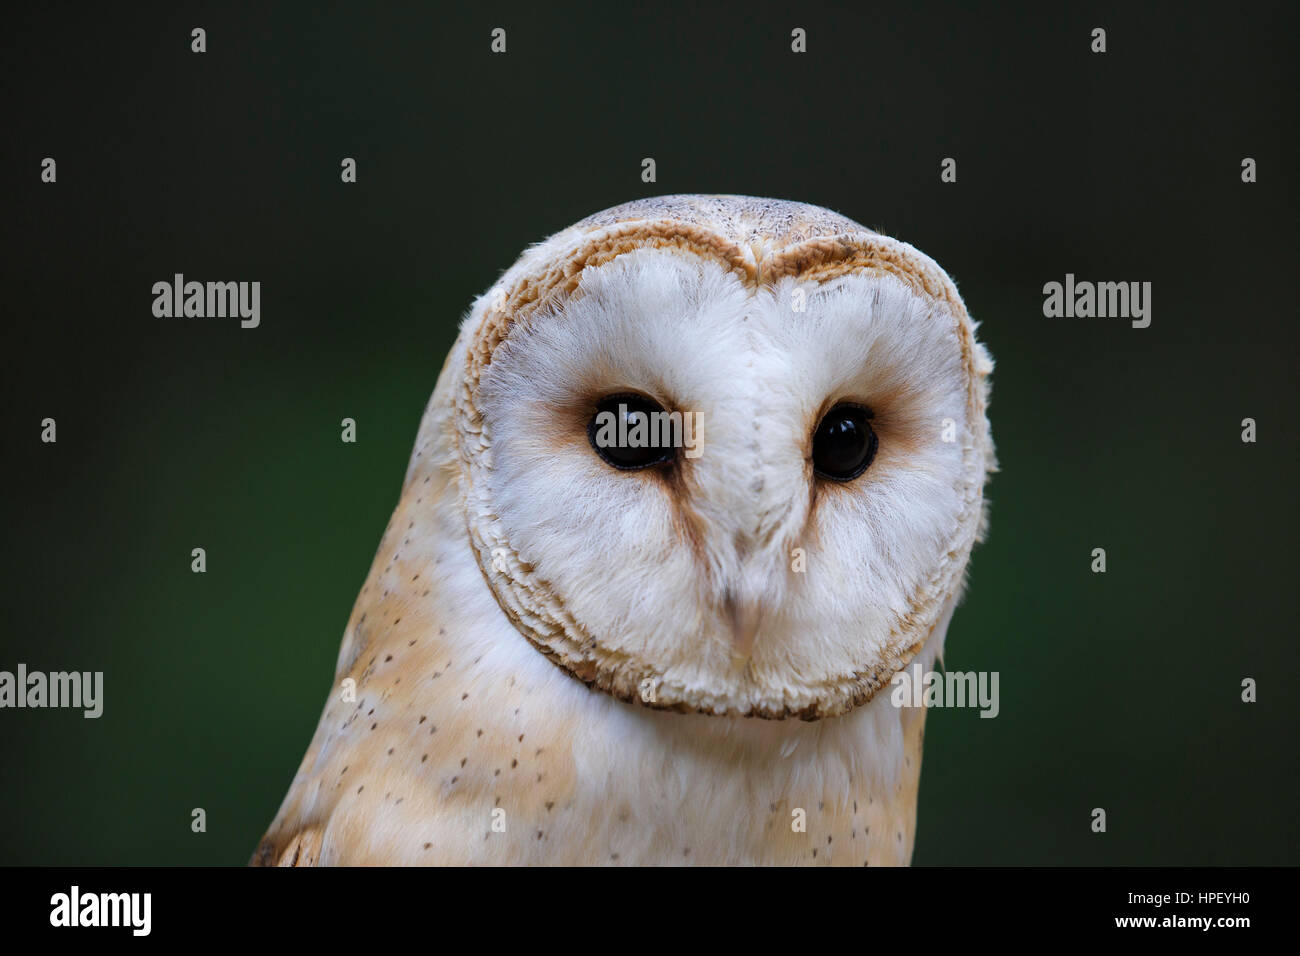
point(593, 781)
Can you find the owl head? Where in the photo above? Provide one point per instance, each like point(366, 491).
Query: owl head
point(722, 454)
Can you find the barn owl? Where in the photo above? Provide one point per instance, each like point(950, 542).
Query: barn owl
point(580, 651)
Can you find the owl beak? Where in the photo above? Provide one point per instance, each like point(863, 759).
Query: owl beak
point(745, 617)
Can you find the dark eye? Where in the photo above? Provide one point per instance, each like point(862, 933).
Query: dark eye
point(629, 432)
point(844, 443)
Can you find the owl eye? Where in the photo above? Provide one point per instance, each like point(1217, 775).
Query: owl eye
point(627, 432)
point(844, 443)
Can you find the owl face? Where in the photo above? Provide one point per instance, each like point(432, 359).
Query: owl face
point(711, 470)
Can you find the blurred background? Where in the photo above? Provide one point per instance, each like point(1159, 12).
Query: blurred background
point(1118, 690)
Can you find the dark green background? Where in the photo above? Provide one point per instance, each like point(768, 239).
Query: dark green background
point(1119, 690)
